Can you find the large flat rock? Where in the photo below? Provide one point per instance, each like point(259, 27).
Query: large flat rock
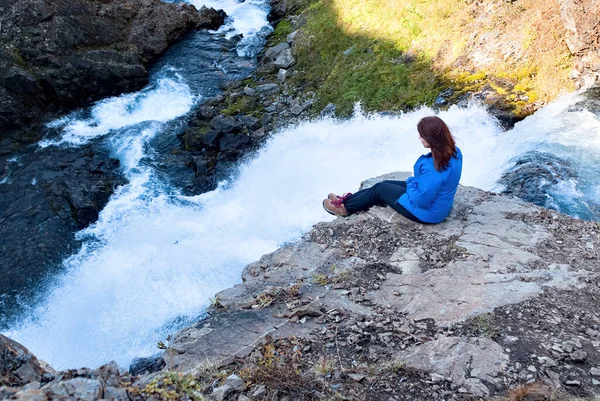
point(488, 253)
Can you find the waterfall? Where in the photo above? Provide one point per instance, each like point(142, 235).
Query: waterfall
point(151, 262)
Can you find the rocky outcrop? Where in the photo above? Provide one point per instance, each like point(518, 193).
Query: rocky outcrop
point(580, 19)
point(24, 377)
point(378, 287)
point(18, 366)
point(57, 55)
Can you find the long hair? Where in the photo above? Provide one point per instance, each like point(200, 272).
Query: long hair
point(440, 140)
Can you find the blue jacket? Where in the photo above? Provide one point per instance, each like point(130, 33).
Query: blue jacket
point(430, 193)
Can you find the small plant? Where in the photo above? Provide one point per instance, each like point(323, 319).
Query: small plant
point(320, 279)
point(263, 300)
point(397, 366)
point(216, 302)
point(484, 325)
point(341, 276)
point(162, 345)
point(324, 366)
point(171, 387)
point(294, 290)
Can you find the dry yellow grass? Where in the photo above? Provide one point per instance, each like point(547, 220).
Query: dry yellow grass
point(519, 43)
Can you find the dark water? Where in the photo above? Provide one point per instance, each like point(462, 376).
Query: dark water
point(34, 237)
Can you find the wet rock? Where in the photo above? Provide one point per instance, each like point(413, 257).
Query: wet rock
point(146, 365)
point(233, 145)
point(533, 175)
point(329, 110)
point(64, 54)
point(211, 138)
point(211, 18)
point(442, 98)
point(252, 123)
point(49, 195)
point(225, 124)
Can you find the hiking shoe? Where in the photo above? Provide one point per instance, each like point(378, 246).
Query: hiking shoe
point(333, 197)
point(330, 208)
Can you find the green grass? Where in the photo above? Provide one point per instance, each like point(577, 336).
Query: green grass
point(281, 31)
point(246, 105)
point(345, 69)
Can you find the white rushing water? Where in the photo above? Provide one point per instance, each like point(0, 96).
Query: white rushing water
point(154, 258)
point(247, 18)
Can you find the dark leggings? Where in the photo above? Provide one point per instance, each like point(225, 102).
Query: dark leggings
point(382, 193)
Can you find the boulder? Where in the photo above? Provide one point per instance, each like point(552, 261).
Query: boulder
point(268, 89)
point(80, 388)
point(225, 124)
point(278, 56)
point(146, 365)
point(17, 365)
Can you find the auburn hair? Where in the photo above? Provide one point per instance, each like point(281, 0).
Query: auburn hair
point(440, 140)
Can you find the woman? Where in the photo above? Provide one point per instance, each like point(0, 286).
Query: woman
point(427, 196)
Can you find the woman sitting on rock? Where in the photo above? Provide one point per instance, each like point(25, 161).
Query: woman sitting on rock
point(427, 196)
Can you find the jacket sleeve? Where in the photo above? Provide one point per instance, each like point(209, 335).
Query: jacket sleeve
point(422, 190)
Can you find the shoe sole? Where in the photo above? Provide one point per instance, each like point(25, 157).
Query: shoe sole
point(328, 211)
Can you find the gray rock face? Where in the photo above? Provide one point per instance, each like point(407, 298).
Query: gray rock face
point(60, 54)
point(45, 198)
point(580, 19)
point(480, 258)
point(468, 362)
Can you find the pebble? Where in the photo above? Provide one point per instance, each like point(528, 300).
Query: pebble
point(595, 372)
point(235, 382)
point(578, 356)
point(547, 361)
point(573, 383)
point(221, 393)
point(259, 392)
point(356, 377)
